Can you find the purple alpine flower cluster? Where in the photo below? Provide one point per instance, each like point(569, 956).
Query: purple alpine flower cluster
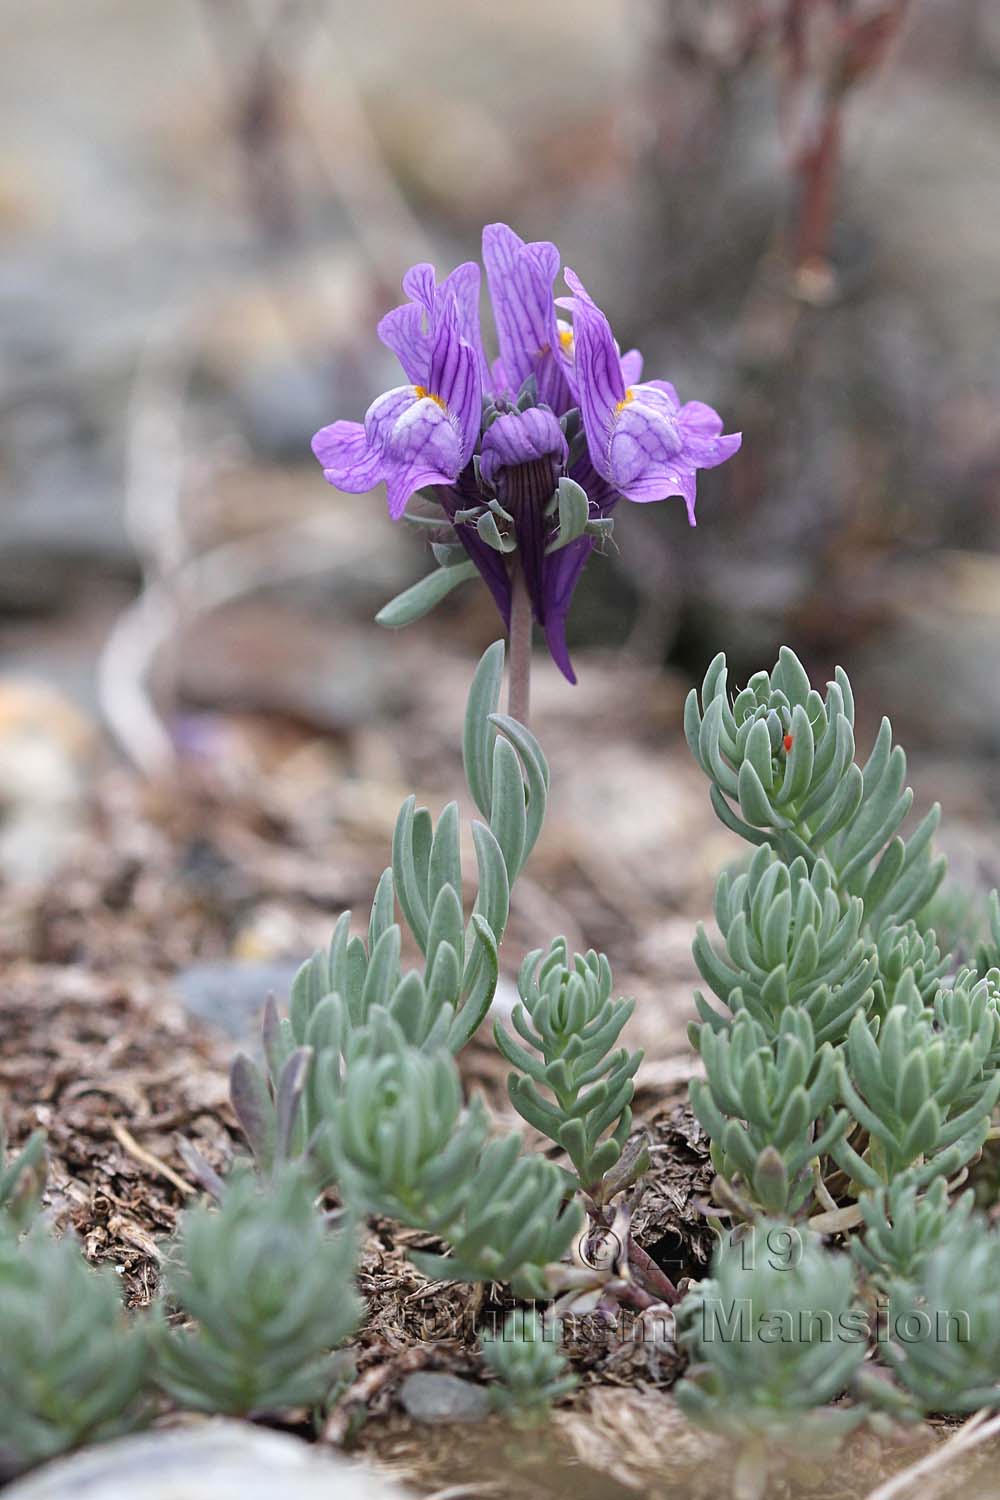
point(560, 400)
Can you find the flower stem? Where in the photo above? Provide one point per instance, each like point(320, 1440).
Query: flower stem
point(519, 657)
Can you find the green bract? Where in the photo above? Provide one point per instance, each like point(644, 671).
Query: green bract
point(530, 1370)
point(271, 1294)
point(571, 1024)
point(72, 1370)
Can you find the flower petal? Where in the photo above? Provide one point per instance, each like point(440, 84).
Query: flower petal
point(385, 411)
point(632, 367)
point(705, 444)
point(454, 379)
point(520, 278)
point(519, 437)
point(423, 448)
point(598, 374)
point(348, 459)
point(420, 284)
point(462, 287)
point(403, 331)
point(560, 578)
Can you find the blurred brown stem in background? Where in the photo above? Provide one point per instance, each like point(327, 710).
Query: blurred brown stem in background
point(828, 46)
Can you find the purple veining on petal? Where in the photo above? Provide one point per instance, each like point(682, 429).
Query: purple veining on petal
point(347, 458)
point(423, 448)
point(454, 379)
point(520, 278)
point(518, 438)
point(598, 373)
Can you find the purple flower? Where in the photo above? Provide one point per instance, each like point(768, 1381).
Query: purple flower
point(491, 443)
point(640, 438)
point(418, 434)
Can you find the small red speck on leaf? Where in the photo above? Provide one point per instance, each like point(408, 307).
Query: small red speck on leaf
point(788, 742)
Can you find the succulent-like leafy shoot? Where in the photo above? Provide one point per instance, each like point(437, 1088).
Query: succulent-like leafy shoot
point(760, 1103)
point(905, 949)
point(919, 1088)
point(72, 1370)
point(514, 1223)
point(397, 1136)
point(399, 1141)
point(781, 761)
point(270, 1292)
point(773, 1334)
point(570, 1023)
point(791, 940)
point(530, 1369)
point(22, 1180)
point(904, 1227)
point(357, 984)
point(944, 1324)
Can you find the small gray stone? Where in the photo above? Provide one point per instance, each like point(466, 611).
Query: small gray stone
point(231, 996)
point(214, 1460)
point(428, 1397)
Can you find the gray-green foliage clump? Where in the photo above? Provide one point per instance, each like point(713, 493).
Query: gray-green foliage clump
point(403, 1144)
point(269, 1295)
point(773, 1334)
point(904, 1226)
point(843, 1045)
point(944, 1343)
point(851, 1072)
point(359, 1078)
point(571, 1081)
point(73, 1370)
point(530, 1369)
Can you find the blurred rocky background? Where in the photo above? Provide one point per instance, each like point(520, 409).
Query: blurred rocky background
point(791, 206)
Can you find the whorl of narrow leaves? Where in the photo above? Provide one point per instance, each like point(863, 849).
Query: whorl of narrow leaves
point(761, 1102)
point(949, 1357)
point(790, 941)
point(72, 1370)
point(270, 1293)
point(571, 1081)
point(904, 1226)
point(772, 1334)
point(921, 1086)
point(781, 761)
point(530, 1369)
point(22, 1180)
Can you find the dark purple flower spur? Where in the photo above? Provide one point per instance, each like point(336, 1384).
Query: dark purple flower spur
point(526, 456)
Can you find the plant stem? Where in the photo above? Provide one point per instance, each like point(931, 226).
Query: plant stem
point(519, 657)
